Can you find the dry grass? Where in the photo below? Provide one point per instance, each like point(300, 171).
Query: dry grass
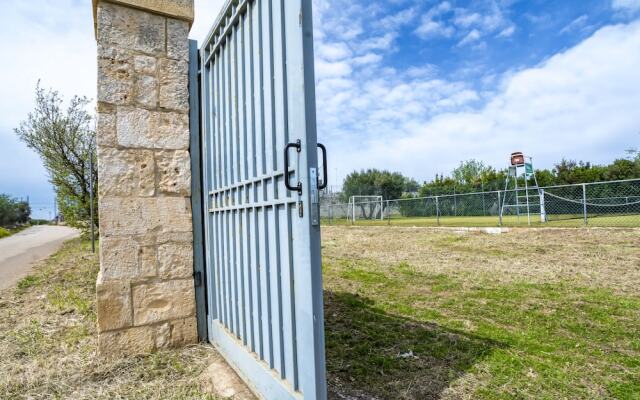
point(599, 258)
point(419, 313)
point(47, 342)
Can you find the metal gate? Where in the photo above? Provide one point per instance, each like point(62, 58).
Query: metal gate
point(260, 174)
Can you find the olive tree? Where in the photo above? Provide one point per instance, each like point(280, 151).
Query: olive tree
point(65, 141)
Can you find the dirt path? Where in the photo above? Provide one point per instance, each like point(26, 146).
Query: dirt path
point(19, 252)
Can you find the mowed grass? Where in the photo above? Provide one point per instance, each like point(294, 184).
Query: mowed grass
point(417, 313)
point(48, 342)
point(555, 221)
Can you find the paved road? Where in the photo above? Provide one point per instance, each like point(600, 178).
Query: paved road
point(19, 252)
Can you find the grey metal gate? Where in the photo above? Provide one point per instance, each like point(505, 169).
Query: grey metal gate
point(262, 235)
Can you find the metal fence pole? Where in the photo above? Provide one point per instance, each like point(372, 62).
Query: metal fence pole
point(437, 211)
point(584, 202)
point(499, 209)
point(388, 212)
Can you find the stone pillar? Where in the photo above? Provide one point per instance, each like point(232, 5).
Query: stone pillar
point(145, 289)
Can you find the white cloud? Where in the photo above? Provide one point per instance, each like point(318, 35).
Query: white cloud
point(626, 5)
point(507, 32)
point(471, 37)
point(429, 28)
point(569, 106)
point(576, 24)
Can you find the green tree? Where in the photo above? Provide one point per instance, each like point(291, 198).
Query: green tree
point(13, 212)
point(65, 141)
point(373, 182)
point(470, 172)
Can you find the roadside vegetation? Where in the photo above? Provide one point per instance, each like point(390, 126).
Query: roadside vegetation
point(14, 215)
point(48, 342)
point(415, 313)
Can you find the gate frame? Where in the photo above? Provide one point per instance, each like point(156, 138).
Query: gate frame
point(199, 270)
point(262, 380)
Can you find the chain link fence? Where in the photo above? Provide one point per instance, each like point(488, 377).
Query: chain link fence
point(604, 204)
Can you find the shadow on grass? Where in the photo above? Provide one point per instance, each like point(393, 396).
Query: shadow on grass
point(375, 355)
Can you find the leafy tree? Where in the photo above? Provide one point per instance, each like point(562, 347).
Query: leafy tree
point(470, 172)
point(373, 182)
point(13, 212)
point(65, 141)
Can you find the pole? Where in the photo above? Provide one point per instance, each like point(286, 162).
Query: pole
point(388, 212)
point(501, 207)
point(437, 211)
point(93, 237)
point(584, 202)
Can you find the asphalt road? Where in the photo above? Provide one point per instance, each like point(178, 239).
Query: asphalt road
point(18, 253)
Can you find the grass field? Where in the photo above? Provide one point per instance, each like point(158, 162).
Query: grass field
point(558, 221)
point(414, 313)
point(411, 313)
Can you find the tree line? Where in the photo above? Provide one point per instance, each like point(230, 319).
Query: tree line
point(476, 176)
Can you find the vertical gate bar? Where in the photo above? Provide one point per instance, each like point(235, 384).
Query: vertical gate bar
point(258, 282)
point(260, 88)
point(276, 291)
point(278, 92)
point(233, 166)
point(251, 88)
point(267, 58)
point(196, 191)
point(249, 281)
point(264, 287)
point(242, 91)
point(237, 99)
point(283, 69)
point(288, 305)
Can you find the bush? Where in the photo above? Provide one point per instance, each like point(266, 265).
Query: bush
point(4, 233)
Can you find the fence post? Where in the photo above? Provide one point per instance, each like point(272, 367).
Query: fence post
point(388, 212)
point(437, 211)
point(499, 209)
point(584, 202)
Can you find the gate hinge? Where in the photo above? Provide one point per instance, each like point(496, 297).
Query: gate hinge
point(197, 277)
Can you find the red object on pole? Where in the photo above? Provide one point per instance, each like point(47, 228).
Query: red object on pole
point(517, 158)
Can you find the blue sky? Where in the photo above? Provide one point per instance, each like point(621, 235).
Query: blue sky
point(407, 85)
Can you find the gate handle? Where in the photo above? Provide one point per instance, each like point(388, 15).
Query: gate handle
point(298, 147)
point(325, 177)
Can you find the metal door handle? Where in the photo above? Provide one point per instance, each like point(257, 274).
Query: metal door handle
point(325, 175)
point(287, 183)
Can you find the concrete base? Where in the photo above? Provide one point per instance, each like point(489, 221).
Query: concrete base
point(220, 380)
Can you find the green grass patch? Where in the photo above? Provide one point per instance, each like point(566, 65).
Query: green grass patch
point(397, 332)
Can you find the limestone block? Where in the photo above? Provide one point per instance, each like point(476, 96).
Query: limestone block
point(147, 91)
point(139, 340)
point(177, 333)
point(163, 301)
point(115, 76)
point(174, 84)
point(145, 65)
point(113, 304)
point(126, 172)
point(106, 129)
point(178, 39)
point(183, 332)
point(175, 260)
point(129, 28)
point(173, 131)
point(139, 128)
point(182, 9)
point(126, 258)
point(174, 169)
point(135, 216)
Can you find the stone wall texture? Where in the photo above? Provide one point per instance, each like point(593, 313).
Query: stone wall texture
point(145, 289)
